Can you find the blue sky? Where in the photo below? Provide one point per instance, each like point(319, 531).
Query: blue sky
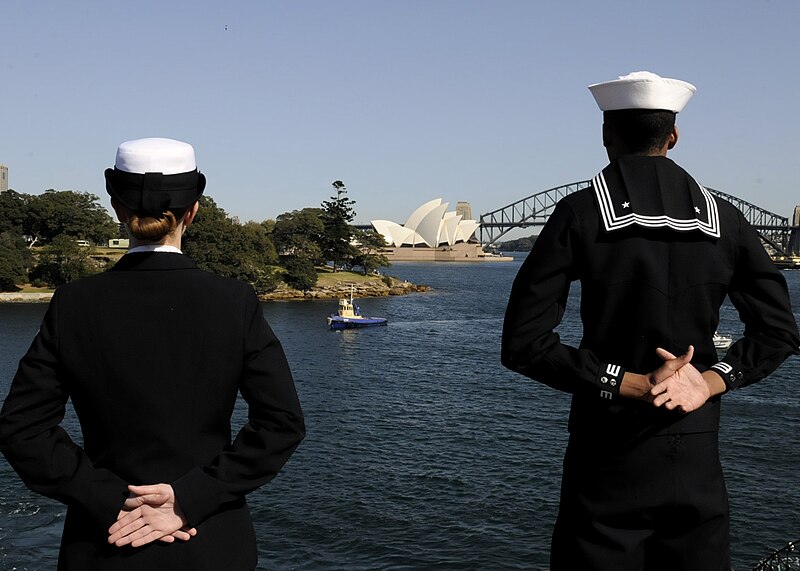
point(404, 101)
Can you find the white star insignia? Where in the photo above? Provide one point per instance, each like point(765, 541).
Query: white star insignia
point(697, 209)
point(626, 205)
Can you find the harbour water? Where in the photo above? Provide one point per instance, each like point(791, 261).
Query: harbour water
point(423, 452)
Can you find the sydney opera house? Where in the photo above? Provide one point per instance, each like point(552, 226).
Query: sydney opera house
point(432, 233)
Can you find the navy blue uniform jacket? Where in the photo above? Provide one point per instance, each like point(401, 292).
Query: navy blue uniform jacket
point(659, 282)
point(153, 354)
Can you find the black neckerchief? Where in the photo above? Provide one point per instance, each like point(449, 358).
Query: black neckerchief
point(653, 192)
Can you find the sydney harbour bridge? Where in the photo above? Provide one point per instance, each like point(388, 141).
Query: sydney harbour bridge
point(780, 238)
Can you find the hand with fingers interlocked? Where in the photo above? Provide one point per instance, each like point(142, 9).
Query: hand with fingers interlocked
point(678, 384)
point(151, 513)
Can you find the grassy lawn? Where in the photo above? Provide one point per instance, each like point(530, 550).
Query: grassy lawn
point(112, 252)
point(28, 288)
point(328, 278)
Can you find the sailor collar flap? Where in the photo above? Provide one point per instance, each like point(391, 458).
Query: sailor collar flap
point(653, 192)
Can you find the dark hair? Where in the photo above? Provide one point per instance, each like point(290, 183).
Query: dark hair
point(640, 130)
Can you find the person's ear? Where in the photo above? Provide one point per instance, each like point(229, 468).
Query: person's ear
point(672, 140)
point(188, 217)
point(120, 210)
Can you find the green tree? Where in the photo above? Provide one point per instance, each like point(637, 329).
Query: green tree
point(13, 212)
point(300, 273)
point(208, 240)
point(15, 259)
point(62, 261)
point(258, 256)
point(219, 245)
point(69, 213)
point(265, 280)
point(518, 245)
point(269, 226)
point(337, 216)
point(369, 245)
point(257, 242)
point(298, 234)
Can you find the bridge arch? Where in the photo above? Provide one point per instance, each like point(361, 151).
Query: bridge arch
point(534, 210)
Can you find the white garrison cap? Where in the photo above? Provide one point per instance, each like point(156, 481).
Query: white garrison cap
point(642, 90)
point(153, 175)
point(166, 156)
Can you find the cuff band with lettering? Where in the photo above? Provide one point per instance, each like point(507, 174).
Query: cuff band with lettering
point(609, 379)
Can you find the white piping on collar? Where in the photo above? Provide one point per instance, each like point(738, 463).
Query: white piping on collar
point(612, 221)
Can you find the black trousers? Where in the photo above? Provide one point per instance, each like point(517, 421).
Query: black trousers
point(657, 505)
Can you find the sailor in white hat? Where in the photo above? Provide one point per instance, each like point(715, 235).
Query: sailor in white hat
point(154, 188)
point(656, 254)
point(639, 111)
point(153, 354)
point(642, 90)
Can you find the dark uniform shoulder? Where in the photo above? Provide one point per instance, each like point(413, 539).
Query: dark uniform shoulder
point(580, 198)
point(727, 210)
point(581, 204)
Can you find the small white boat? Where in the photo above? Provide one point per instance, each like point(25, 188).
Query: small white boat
point(722, 342)
point(349, 316)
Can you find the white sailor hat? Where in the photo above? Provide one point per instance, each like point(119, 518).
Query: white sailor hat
point(154, 175)
point(642, 90)
point(166, 156)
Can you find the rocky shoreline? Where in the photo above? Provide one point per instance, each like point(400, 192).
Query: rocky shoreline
point(24, 297)
point(371, 288)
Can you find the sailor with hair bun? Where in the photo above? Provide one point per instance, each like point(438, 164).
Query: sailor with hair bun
point(656, 254)
point(153, 354)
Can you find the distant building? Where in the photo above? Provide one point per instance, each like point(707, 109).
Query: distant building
point(429, 226)
point(796, 217)
point(431, 234)
point(3, 178)
point(465, 210)
point(119, 243)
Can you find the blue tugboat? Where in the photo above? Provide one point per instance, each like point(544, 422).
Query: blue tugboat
point(349, 317)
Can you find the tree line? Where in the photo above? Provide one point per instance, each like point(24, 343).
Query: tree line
point(43, 241)
point(518, 245)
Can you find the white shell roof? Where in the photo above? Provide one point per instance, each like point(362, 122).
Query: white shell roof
point(429, 224)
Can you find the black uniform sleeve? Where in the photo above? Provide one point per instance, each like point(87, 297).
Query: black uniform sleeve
point(530, 345)
point(274, 429)
point(41, 452)
point(759, 293)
